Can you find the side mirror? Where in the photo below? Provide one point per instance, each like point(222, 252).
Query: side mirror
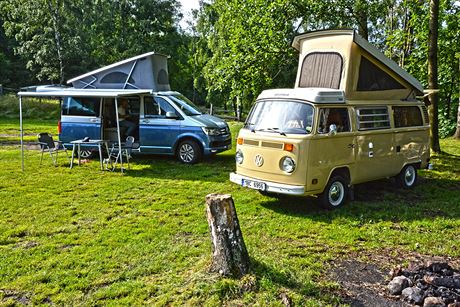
point(332, 129)
point(171, 115)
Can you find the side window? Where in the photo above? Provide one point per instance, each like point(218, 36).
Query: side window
point(336, 116)
point(407, 117)
point(157, 107)
point(81, 106)
point(372, 78)
point(151, 107)
point(165, 106)
point(373, 118)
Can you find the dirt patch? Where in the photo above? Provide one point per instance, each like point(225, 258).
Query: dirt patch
point(363, 277)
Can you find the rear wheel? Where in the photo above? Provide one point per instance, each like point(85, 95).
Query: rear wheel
point(407, 178)
point(188, 152)
point(335, 194)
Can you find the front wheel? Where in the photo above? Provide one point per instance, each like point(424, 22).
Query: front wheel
point(335, 194)
point(188, 152)
point(407, 178)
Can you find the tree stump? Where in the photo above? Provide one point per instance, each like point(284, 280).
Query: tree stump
point(229, 254)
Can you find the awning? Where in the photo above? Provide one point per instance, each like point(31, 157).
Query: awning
point(85, 93)
point(101, 93)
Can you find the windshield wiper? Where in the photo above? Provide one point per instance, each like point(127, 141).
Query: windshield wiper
point(274, 129)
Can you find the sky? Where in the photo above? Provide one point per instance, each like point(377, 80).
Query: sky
point(187, 6)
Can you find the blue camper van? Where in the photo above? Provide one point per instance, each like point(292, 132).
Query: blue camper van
point(166, 122)
point(162, 121)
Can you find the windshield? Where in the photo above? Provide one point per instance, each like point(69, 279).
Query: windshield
point(281, 116)
point(185, 105)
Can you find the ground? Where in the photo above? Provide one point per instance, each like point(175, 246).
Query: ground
point(363, 282)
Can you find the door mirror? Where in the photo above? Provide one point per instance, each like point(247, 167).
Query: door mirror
point(332, 129)
point(171, 115)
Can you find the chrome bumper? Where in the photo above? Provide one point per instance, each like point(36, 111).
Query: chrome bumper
point(271, 187)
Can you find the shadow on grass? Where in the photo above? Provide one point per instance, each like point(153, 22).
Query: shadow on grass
point(211, 169)
point(381, 200)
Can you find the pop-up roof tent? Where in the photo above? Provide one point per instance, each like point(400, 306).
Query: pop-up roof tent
point(142, 74)
point(343, 60)
point(145, 71)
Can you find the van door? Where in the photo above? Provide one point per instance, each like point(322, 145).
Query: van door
point(157, 133)
point(376, 151)
point(328, 150)
point(80, 118)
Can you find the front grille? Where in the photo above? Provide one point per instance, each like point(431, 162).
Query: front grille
point(220, 143)
point(272, 145)
point(263, 144)
point(250, 142)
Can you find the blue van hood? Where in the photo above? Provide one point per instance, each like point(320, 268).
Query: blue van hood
point(210, 121)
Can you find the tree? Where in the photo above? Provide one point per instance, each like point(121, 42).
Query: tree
point(457, 131)
point(433, 74)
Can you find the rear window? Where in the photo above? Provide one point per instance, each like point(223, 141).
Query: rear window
point(81, 106)
point(407, 117)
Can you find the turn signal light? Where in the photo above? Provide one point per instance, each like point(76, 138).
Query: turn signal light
point(240, 141)
point(288, 147)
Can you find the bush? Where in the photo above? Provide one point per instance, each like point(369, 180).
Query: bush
point(31, 107)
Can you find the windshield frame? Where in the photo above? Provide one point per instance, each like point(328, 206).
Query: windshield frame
point(184, 105)
point(298, 131)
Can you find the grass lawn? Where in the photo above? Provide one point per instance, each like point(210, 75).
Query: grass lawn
point(85, 236)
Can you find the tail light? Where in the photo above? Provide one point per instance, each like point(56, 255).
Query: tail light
point(59, 127)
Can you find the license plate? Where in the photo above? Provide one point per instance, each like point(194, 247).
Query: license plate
point(256, 185)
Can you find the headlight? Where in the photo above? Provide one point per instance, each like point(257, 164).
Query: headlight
point(211, 131)
point(239, 156)
point(287, 164)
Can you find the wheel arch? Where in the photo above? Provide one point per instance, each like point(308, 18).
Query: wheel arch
point(188, 138)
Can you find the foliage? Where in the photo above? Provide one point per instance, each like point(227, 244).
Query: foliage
point(247, 47)
point(85, 237)
point(35, 108)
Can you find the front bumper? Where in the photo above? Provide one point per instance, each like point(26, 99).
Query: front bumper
point(270, 187)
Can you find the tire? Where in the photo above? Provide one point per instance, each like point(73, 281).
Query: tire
point(188, 152)
point(407, 178)
point(335, 194)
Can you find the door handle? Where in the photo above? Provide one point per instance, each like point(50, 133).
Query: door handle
point(351, 146)
point(93, 120)
point(145, 121)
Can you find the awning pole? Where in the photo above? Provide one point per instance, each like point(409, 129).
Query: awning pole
point(118, 133)
point(21, 132)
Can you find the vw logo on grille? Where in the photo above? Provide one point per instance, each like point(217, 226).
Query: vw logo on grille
point(259, 160)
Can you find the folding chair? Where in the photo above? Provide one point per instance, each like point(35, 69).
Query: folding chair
point(46, 142)
point(116, 155)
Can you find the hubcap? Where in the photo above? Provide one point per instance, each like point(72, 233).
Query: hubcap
point(409, 176)
point(336, 193)
point(186, 153)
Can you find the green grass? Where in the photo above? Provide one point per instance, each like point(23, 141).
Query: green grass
point(85, 236)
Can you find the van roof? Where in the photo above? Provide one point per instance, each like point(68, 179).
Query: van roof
point(355, 70)
point(317, 95)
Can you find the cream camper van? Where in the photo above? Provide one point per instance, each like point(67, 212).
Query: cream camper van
point(352, 117)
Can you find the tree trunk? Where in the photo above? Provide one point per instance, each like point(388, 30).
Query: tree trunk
point(433, 74)
point(55, 16)
point(457, 132)
point(229, 254)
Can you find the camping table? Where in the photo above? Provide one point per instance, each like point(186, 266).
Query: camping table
point(98, 143)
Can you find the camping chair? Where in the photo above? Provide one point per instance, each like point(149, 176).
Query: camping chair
point(46, 142)
point(116, 155)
